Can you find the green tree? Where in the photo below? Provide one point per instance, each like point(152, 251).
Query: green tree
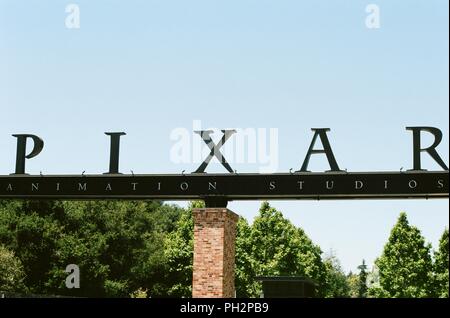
point(362, 277)
point(178, 255)
point(405, 265)
point(279, 248)
point(246, 285)
point(30, 229)
point(11, 272)
point(441, 265)
point(116, 244)
point(337, 285)
point(353, 283)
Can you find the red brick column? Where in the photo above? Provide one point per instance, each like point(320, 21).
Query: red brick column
point(214, 247)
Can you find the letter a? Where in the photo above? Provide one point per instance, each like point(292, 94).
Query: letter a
point(322, 133)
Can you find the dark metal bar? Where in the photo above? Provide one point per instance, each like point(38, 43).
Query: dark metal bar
point(220, 188)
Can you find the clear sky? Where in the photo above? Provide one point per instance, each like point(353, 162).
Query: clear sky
point(149, 67)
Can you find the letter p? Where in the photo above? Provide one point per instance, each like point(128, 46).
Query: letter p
point(21, 150)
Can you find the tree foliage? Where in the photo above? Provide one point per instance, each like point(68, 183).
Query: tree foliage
point(353, 284)
point(273, 246)
point(280, 248)
point(12, 274)
point(405, 266)
point(116, 244)
point(145, 249)
point(178, 255)
point(337, 284)
point(441, 265)
point(362, 280)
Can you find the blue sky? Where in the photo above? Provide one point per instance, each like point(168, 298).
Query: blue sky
point(148, 67)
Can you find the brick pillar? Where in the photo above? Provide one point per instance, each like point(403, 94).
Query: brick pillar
point(214, 247)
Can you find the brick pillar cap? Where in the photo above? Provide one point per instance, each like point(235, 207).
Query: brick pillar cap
point(216, 210)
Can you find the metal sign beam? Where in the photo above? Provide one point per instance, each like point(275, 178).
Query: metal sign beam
point(228, 187)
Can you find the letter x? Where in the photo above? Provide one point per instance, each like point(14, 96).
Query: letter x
point(215, 149)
